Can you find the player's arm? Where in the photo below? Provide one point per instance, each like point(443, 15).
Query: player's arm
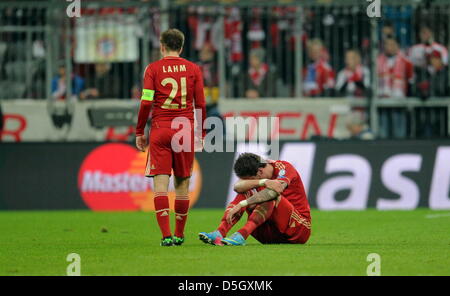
point(145, 107)
point(257, 198)
point(273, 189)
point(200, 104)
point(265, 195)
point(232, 204)
point(242, 186)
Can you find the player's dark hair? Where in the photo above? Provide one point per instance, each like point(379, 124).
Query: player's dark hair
point(172, 39)
point(247, 165)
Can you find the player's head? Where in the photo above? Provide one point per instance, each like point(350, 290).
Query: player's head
point(172, 41)
point(251, 166)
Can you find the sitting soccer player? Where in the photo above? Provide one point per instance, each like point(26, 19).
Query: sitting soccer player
point(273, 195)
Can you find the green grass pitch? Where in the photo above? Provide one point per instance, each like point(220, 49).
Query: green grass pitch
point(37, 243)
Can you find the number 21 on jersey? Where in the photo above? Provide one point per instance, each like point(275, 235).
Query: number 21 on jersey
point(168, 102)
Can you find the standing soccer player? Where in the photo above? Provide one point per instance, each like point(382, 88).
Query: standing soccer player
point(273, 195)
point(172, 86)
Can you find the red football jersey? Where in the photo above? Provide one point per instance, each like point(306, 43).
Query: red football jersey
point(172, 86)
point(295, 191)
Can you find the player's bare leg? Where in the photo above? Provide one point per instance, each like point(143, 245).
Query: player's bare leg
point(224, 226)
point(260, 214)
point(215, 237)
point(162, 209)
point(181, 208)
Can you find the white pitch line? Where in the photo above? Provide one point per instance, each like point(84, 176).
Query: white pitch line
point(437, 215)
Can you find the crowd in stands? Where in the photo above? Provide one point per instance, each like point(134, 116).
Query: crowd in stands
point(422, 71)
point(260, 49)
point(405, 69)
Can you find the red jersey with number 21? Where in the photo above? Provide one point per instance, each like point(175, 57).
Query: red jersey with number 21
point(172, 86)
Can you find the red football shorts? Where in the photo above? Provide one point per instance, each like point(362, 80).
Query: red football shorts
point(166, 154)
point(285, 225)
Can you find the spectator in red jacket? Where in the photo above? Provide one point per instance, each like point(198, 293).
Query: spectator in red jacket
point(259, 82)
point(319, 76)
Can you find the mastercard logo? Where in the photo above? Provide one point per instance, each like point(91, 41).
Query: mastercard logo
point(111, 178)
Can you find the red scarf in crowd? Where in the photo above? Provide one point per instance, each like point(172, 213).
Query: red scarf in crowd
point(258, 75)
point(393, 78)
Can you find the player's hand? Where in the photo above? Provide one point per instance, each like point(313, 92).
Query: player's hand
point(275, 185)
point(198, 144)
point(141, 143)
point(234, 211)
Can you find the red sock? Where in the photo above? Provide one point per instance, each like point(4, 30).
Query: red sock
point(181, 211)
point(161, 201)
point(224, 226)
point(259, 215)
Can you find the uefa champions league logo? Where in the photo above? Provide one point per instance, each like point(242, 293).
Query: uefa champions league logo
point(374, 8)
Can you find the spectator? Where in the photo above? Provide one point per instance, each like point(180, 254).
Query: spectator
point(259, 76)
point(354, 79)
point(420, 53)
point(358, 128)
point(59, 85)
point(233, 25)
point(103, 84)
point(434, 81)
point(395, 71)
point(319, 76)
point(256, 33)
point(208, 66)
point(209, 69)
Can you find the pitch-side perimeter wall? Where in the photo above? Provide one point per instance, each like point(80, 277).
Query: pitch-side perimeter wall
point(38, 121)
point(347, 175)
